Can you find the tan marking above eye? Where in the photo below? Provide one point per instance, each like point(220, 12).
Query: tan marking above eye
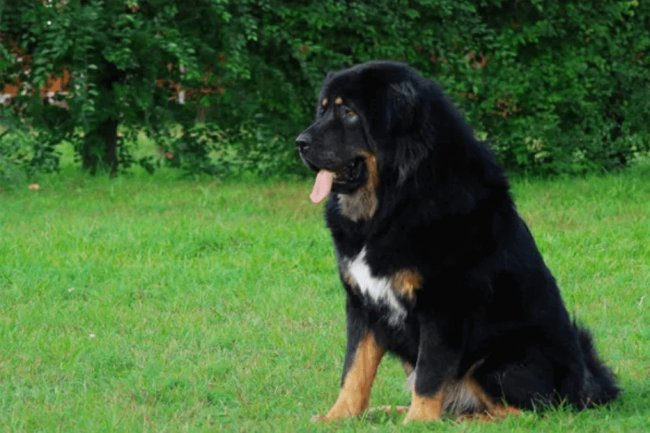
point(324, 102)
point(338, 100)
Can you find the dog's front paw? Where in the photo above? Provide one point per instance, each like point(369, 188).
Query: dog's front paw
point(424, 408)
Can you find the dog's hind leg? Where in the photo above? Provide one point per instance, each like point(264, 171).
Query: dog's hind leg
point(524, 384)
point(492, 409)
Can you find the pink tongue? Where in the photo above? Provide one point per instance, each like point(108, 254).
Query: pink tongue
point(322, 186)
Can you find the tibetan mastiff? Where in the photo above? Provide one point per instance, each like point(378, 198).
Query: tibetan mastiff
point(438, 266)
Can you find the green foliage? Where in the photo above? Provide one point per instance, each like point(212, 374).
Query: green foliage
point(250, 148)
point(14, 155)
point(556, 87)
point(24, 151)
point(120, 55)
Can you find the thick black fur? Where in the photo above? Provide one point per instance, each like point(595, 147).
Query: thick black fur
point(487, 301)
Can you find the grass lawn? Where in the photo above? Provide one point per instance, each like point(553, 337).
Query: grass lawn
point(162, 305)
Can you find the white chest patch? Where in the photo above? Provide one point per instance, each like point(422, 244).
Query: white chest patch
point(379, 290)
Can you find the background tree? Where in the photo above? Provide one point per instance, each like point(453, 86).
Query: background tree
point(126, 61)
point(555, 87)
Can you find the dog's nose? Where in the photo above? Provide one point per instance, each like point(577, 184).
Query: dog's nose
point(303, 141)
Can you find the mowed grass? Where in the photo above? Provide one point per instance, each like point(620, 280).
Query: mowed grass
point(162, 305)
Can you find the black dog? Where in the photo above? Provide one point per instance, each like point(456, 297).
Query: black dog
point(438, 266)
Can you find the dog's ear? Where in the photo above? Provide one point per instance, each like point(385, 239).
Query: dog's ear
point(408, 127)
point(329, 76)
point(401, 103)
point(408, 155)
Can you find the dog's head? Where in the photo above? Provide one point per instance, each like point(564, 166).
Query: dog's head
point(368, 118)
point(381, 127)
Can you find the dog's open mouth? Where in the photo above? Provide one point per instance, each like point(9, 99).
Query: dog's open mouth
point(325, 179)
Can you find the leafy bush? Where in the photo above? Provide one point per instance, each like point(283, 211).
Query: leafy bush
point(249, 149)
point(556, 87)
point(23, 152)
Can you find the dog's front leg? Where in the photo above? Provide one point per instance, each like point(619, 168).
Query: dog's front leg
point(435, 365)
point(362, 359)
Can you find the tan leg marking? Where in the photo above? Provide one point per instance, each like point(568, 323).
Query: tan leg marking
point(425, 408)
point(355, 392)
point(493, 410)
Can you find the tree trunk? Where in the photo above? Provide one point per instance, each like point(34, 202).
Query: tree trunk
point(100, 144)
point(100, 148)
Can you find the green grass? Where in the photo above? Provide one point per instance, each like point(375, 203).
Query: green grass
point(163, 305)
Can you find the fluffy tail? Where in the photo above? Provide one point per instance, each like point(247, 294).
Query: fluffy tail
point(599, 383)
